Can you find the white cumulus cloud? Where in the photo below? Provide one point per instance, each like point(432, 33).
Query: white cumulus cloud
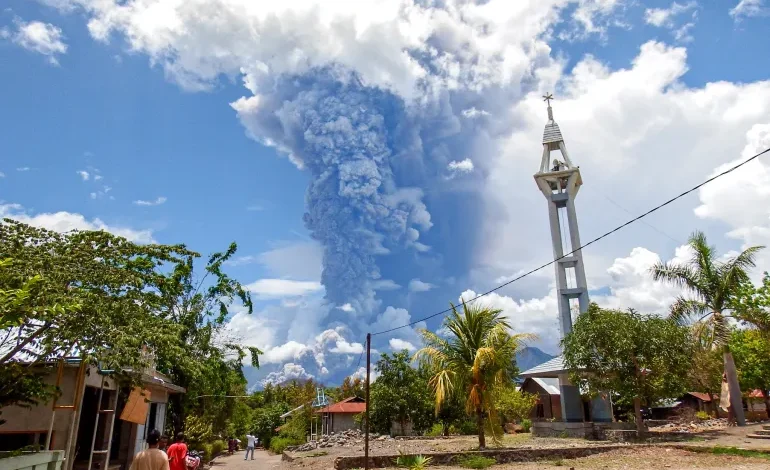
point(397, 344)
point(158, 201)
point(43, 38)
point(749, 8)
point(276, 288)
point(84, 174)
point(416, 285)
point(63, 221)
point(462, 166)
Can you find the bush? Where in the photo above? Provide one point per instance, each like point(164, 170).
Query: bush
point(702, 415)
point(526, 425)
point(206, 453)
point(436, 430)
point(466, 428)
point(476, 461)
point(279, 444)
point(413, 462)
point(217, 447)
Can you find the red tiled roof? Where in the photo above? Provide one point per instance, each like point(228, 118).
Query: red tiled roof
point(347, 405)
point(700, 396)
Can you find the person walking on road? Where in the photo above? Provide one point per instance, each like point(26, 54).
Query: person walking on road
point(151, 458)
point(177, 454)
point(250, 446)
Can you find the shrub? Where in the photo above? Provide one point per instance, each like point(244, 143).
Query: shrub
point(476, 461)
point(206, 453)
point(702, 415)
point(526, 425)
point(280, 443)
point(436, 430)
point(217, 447)
point(413, 462)
point(466, 428)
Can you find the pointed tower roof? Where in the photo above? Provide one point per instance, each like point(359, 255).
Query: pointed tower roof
point(552, 133)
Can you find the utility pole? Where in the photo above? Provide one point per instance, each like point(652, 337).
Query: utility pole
point(366, 428)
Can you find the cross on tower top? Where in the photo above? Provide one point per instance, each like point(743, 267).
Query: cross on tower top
point(547, 98)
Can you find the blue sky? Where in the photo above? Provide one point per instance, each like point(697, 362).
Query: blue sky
point(408, 133)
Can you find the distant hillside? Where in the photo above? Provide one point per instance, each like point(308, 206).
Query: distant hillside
point(530, 357)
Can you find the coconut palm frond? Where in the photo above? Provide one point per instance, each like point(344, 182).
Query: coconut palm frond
point(682, 310)
point(684, 277)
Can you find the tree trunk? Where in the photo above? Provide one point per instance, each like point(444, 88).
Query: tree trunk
point(736, 401)
point(767, 402)
point(638, 416)
point(445, 426)
point(714, 405)
point(480, 425)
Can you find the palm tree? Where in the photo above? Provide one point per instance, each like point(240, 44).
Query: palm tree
point(712, 285)
point(478, 356)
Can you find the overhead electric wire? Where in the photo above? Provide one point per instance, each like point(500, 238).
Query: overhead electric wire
point(600, 237)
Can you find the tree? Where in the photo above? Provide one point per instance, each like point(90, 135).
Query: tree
point(512, 404)
point(705, 375)
point(643, 358)
point(79, 293)
point(713, 286)
point(352, 387)
point(400, 395)
point(751, 305)
point(752, 354)
point(478, 357)
point(211, 362)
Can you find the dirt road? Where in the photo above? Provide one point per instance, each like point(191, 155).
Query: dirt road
point(262, 461)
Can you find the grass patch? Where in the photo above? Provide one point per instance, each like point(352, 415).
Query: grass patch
point(475, 461)
point(317, 454)
point(718, 450)
point(558, 463)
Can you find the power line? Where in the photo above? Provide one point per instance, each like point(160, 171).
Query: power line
point(619, 227)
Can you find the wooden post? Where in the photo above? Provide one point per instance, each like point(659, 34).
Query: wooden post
point(366, 429)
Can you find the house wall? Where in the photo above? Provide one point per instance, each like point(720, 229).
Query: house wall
point(36, 419)
point(343, 422)
point(551, 404)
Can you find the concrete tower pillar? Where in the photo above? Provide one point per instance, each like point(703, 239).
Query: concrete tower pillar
point(559, 181)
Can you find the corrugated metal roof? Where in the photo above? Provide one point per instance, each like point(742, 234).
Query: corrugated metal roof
point(552, 133)
point(550, 385)
point(548, 369)
point(347, 405)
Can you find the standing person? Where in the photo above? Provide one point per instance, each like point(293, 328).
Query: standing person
point(177, 454)
point(249, 446)
point(152, 458)
point(163, 443)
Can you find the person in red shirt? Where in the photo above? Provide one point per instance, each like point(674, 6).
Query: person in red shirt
point(177, 454)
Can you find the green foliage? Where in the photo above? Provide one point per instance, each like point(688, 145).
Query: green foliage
point(279, 444)
point(465, 427)
point(751, 350)
point(21, 387)
point(476, 461)
point(197, 430)
point(217, 447)
point(400, 394)
point(513, 404)
point(436, 430)
point(705, 374)
point(719, 450)
point(526, 425)
point(751, 305)
point(476, 359)
point(702, 415)
point(352, 388)
point(413, 462)
point(266, 420)
point(643, 358)
point(207, 452)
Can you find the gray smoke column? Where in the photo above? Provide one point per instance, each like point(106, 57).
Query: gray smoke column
point(343, 133)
